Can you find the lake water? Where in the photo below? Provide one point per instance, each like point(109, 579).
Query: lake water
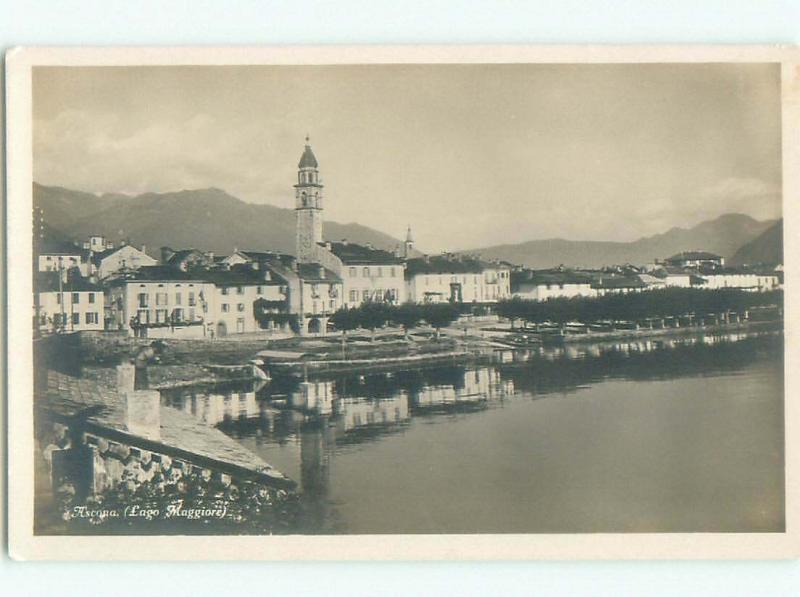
point(680, 435)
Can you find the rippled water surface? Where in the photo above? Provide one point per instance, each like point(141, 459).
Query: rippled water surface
point(681, 435)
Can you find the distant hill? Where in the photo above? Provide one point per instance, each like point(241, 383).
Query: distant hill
point(766, 248)
point(208, 219)
point(723, 235)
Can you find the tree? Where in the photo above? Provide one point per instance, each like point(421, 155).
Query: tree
point(407, 316)
point(440, 315)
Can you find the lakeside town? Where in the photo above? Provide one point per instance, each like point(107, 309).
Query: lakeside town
point(94, 285)
point(331, 307)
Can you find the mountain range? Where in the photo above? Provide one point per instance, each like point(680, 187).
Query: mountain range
point(766, 248)
point(212, 220)
point(724, 236)
point(207, 219)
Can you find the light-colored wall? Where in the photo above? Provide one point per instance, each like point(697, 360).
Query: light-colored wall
point(363, 282)
point(489, 286)
point(49, 306)
point(127, 257)
point(239, 317)
point(541, 292)
point(316, 297)
point(124, 302)
point(743, 281)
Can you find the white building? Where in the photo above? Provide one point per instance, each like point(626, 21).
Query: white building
point(117, 261)
point(751, 281)
point(367, 273)
point(456, 279)
point(245, 295)
point(161, 302)
point(53, 256)
point(541, 285)
point(695, 259)
point(73, 305)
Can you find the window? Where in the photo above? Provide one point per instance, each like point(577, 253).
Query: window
point(91, 297)
point(332, 304)
point(259, 290)
point(58, 298)
point(226, 308)
point(92, 317)
point(353, 296)
point(240, 325)
point(239, 290)
point(192, 302)
point(177, 314)
point(366, 272)
point(353, 272)
point(76, 298)
point(380, 272)
point(225, 290)
point(161, 298)
point(178, 298)
point(240, 307)
point(76, 318)
point(365, 295)
point(161, 316)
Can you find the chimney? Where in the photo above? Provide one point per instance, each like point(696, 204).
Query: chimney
point(328, 246)
point(321, 272)
point(345, 242)
point(144, 248)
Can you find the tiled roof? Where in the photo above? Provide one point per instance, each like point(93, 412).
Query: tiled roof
point(442, 264)
point(538, 277)
point(351, 253)
point(242, 275)
point(48, 282)
point(310, 272)
point(157, 273)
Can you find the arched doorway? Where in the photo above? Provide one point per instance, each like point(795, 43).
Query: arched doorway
point(314, 326)
point(222, 329)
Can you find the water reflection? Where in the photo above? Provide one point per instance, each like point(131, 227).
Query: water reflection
point(301, 427)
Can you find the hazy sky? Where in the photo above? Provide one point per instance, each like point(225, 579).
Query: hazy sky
point(469, 155)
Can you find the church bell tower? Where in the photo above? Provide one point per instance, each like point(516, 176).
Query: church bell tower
point(308, 207)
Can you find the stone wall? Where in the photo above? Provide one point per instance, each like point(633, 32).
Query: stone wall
point(110, 348)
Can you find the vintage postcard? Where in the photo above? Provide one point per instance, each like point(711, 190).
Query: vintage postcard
point(403, 302)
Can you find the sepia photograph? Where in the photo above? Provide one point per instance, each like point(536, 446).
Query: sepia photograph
point(442, 298)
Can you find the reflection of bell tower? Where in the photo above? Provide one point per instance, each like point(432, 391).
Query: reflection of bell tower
point(308, 207)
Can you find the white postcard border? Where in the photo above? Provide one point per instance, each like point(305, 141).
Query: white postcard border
point(25, 545)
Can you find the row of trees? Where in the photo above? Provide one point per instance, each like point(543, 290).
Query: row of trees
point(372, 316)
point(667, 302)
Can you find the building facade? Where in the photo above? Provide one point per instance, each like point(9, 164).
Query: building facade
point(542, 285)
point(126, 258)
point(73, 305)
point(161, 302)
point(456, 279)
